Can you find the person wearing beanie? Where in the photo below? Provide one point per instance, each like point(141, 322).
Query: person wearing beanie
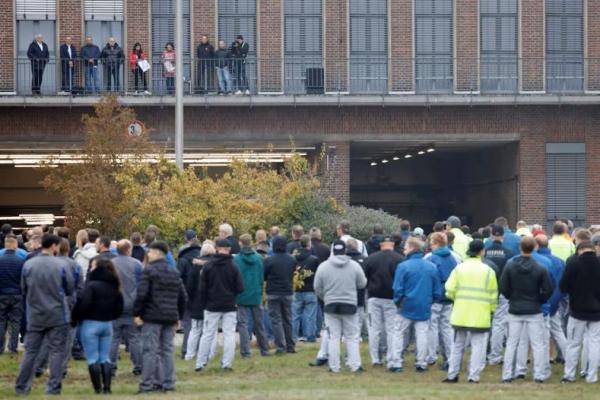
point(473, 287)
point(158, 306)
point(220, 284)
point(279, 275)
point(581, 282)
point(440, 330)
point(336, 283)
point(499, 254)
point(416, 287)
point(527, 286)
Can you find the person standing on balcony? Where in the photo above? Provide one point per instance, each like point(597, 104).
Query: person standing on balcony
point(38, 55)
point(137, 58)
point(112, 56)
point(68, 54)
point(205, 55)
point(167, 58)
point(239, 49)
point(90, 53)
point(223, 64)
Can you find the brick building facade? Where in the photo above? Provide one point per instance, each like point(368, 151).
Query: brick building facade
point(423, 101)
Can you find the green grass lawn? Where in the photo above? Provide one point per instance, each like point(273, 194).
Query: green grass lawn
point(288, 377)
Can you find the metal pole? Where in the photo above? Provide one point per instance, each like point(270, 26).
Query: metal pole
point(179, 83)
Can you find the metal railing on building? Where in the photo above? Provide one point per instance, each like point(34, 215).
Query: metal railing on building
point(488, 74)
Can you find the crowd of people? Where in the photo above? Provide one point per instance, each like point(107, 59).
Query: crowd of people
point(226, 63)
point(492, 290)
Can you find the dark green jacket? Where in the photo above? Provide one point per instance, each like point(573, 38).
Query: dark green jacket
point(251, 266)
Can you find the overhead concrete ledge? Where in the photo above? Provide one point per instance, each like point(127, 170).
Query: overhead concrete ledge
point(411, 100)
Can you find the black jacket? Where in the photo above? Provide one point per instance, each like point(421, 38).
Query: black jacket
point(192, 286)
point(307, 262)
point(222, 58)
point(205, 51)
point(235, 244)
point(526, 285)
point(240, 50)
point(360, 259)
point(11, 268)
point(64, 55)
point(320, 250)
point(38, 57)
point(220, 283)
point(185, 261)
point(138, 253)
point(100, 300)
point(499, 255)
point(373, 244)
point(380, 269)
point(581, 281)
point(161, 297)
point(292, 246)
point(112, 55)
point(279, 269)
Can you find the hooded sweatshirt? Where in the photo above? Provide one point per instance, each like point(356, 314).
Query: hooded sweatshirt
point(337, 283)
point(279, 269)
point(581, 281)
point(416, 286)
point(558, 267)
point(307, 262)
point(83, 257)
point(220, 284)
point(445, 263)
point(250, 264)
point(526, 285)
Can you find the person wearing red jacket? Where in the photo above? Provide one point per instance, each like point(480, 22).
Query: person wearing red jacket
point(137, 55)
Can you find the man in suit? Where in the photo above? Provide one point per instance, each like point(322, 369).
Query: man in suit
point(68, 54)
point(38, 55)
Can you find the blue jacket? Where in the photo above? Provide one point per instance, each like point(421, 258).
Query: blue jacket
point(19, 252)
point(11, 267)
point(445, 263)
point(558, 266)
point(511, 241)
point(416, 286)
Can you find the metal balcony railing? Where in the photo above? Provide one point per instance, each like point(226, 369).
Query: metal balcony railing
point(296, 75)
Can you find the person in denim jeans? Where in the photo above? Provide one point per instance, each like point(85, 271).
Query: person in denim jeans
point(90, 54)
point(223, 64)
point(100, 303)
point(304, 308)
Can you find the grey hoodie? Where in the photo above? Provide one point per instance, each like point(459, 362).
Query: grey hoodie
point(338, 279)
point(83, 257)
point(130, 273)
point(46, 283)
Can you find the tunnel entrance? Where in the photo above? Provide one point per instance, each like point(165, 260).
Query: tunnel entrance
point(427, 182)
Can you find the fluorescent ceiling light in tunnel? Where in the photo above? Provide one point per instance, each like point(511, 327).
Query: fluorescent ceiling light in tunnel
point(384, 161)
point(408, 156)
point(421, 152)
point(430, 150)
point(396, 158)
point(373, 164)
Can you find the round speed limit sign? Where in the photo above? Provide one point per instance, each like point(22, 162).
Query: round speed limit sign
point(136, 128)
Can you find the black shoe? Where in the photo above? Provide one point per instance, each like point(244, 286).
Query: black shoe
point(199, 369)
point(431, 362)
point(444, 366)
point(565, 380)
point(107, 370)
point(227, 369)
point(319, 362)
point(136, 372)
point(453, 380)
point(559, 360)
point(395, 370)
point(279, 352)
point(473, 381)
point(507, 380)
point(39, 373)
point(291, 351)
point(359, 370)
point(96, 377)
point(520, 377)
point(377, 364)
point(538, 381)
point(421, 369)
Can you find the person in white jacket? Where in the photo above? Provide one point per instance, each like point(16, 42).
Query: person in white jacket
point(86, 249)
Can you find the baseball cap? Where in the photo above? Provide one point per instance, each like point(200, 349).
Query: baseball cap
point(223, 243)
point(497, 230)
point(418, 231)
point(190, 234)
point(475, 247)
point(339, 247)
